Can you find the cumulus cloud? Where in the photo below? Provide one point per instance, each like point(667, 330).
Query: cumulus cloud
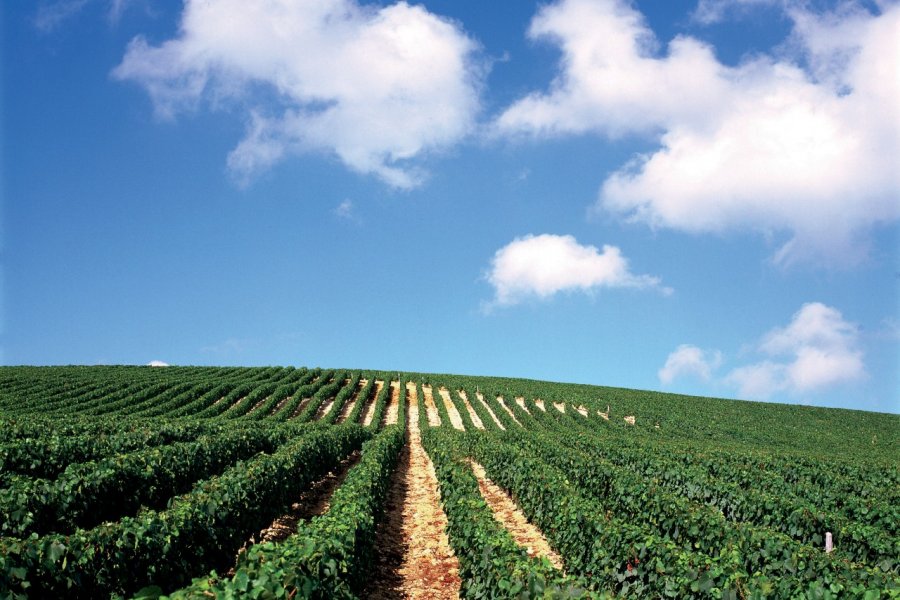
point(157, 363)
point(818, 349)
point(803, 146)
point(688, 360)
point(544, 265)
point(374, 86)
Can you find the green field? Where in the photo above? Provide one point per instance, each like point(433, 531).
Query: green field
point(124, 481)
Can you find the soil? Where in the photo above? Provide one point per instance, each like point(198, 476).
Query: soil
point(280, 405)
point(257, 405)
point(434, 419)
point(350, 404)
point(582, 410)
point(560, 407)
point(324, 408)
point(540, 404)
point(506, 408)
point(480, 398)
point(369, 410)
point(474, 415)
point(508, 514)
point(413, 555)
point(455, 417)
point(311, 503)
point(301, 407)
point(393, 407)
point(521, 402)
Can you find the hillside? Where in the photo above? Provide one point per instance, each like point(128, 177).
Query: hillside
point(310, 482)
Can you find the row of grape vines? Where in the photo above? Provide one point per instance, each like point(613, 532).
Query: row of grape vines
point(152, 482)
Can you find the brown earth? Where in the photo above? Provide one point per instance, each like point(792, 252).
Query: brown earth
point(508, 514)
point(455, 417)
point(311, 503)
point(350, 404)
point(480, 397)
point(474, 415)
point(434, 419)
point(521, 402)
point(369, 411)
point(506, 408)
point(393, 407)
point(413, 556)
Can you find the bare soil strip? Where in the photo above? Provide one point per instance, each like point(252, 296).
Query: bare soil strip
point(257, 405)
point(393, 408)
point(324, 408)
point(582, 410)
point(220, 400)
point(434, 419)
point(521, 402)
point(455, 417)
point(312, 503)
point(508, 514)
point(349, 405)
point(413, 556)
point(540, 404)
point(280, 405)
point(235, 403)
point(561, 407)
point(369, 411)
point(507, 409)
point(474, 415)
point(480, 398)
point(300, 407)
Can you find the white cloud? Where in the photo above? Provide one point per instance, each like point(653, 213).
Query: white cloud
point(375, 86)
point(818, 349)
point(713, 11)
point(157, 363)
point(688, 360)
point(541, 266)
point(771, 145)
point(346, 211)
point(51, 15)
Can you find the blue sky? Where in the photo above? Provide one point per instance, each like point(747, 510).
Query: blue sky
point(699, 197)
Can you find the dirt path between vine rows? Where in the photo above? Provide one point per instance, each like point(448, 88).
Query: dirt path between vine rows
point(434, 419)
point(370, 408)
point(520, 400)
point(413, 556)
point(350, 404)
point(455, 417)
point(507, 409)
point(480, 398)
point(311, 503)
point(393, 407)
point(472, 414)
point(508, 514)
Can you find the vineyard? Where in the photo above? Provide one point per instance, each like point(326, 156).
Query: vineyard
point(200, 482)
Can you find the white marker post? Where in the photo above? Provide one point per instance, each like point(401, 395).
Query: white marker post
point(829, 546)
